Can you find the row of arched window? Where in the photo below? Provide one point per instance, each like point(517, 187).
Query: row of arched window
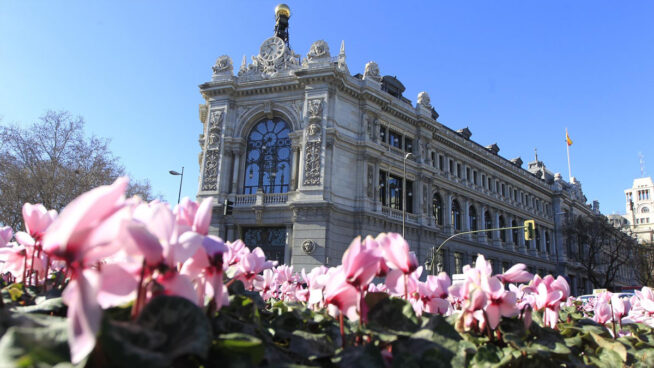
point(456, 216)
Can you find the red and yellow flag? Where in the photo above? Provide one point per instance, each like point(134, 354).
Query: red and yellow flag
point(567, 138)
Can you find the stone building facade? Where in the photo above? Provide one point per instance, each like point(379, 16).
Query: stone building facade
point(312, 155)
point(640, 209)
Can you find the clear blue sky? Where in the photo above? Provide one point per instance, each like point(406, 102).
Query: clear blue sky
point(516, 73)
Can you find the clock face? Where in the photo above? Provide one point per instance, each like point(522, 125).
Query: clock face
point(272, 48)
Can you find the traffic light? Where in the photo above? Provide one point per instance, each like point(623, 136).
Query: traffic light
point(228, 206)
point(530, 229)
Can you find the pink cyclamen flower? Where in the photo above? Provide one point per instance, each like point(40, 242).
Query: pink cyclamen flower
point(501, 303)
point(396, 252)
point(339, 293)
point(88, 223)
point(360, 262)
point(516, 274)
point(37, 219)
point(6, 233)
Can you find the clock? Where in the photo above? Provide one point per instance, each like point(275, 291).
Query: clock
point(272, 49)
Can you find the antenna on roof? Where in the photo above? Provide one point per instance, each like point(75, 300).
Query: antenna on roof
point(642, 164)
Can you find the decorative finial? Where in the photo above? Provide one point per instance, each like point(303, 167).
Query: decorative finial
point(282, 13)
point(536, 153)
point(342, 53)
point(283, 9)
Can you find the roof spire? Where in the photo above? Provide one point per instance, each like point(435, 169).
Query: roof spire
point(282, 14)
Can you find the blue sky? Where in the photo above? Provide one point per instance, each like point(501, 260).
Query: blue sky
point(515, 73)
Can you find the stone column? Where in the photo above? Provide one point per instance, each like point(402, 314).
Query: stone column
point(496, 224)
point(447, 213)
point(483, 237)
point(237, 169)
point(294, 168)
point(466, 217)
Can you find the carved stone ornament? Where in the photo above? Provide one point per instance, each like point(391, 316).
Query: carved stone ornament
point(314, 109)
point(318, 50)
point(210, 173)
point(203, 111)
point(370, 187)
point(313, 132)
point(372, 72)
point(424, 100)
point(309, 246)
point(216, 119)
point(312, 163)
point(223, 65)
point(274, 59)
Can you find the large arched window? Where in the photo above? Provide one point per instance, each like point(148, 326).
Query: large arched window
point(268, 158)
point(538, 239)
point(644, 210)
point(472, 217)
point(456, 215)
point(514, 232)
point(437, 209)
point(502, 232)
point(488, 224)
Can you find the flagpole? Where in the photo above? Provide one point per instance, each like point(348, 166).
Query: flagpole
point(567, 146)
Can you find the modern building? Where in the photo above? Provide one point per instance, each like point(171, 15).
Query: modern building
point(640, 209)
point(312, 155)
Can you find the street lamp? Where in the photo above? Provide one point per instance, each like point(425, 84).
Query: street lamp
point(181, 179)
point(404, 193)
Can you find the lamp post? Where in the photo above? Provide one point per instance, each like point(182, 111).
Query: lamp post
point(404, 193)
point(181, 179)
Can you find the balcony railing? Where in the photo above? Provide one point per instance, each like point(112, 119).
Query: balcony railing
point(244, 200)
point(397, 214)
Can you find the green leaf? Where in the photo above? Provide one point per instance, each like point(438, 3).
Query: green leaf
point(237, 348)
point(394, 314)
point(373, 298)
point(441, 326)
point(613, 346)
point(311, 345)
point(47, 306)
point(42, 346)
point(367, 356)
point(168, 327)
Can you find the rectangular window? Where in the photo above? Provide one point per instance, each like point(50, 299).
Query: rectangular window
point(433, 159)
point(458, 170)
point(458, 262)
point(503, 190)
point(395, 139)
point(409, 196)
point(515, 194)
point(440, 162)
point(382, 187)
point(489, 183)
point(451, 166)
point(468, 173)
point(408, 144)
point(394, 192)
point(382, 134)
point(474, 177)
point(497, 187)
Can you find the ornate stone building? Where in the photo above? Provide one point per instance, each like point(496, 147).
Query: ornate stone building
point(640, 209)
point(312, 155)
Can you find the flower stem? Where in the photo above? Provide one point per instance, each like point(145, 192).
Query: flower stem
point(139, 293)
point(340, 321)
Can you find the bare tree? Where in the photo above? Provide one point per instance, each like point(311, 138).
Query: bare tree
point(52, 162)
point(644, 262)
point(602, 250)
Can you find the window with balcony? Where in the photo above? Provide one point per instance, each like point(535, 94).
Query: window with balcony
point(395, 139)
point(456, 215)
point(408, 144)
point(488, 224)
point(382, 188)
point(437, 209)
point(394, 192)
point(472, 217)
point(502, 232)
point(268, 158)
